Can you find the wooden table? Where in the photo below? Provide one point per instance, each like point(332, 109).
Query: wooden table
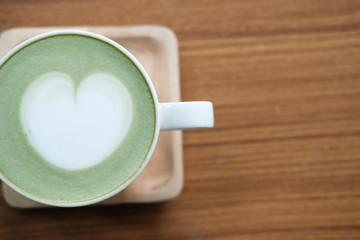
point(283, 161)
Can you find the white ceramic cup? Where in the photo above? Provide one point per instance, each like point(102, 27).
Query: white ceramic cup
point(169, 116)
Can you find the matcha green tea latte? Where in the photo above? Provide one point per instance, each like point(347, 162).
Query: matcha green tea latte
point(77, 119)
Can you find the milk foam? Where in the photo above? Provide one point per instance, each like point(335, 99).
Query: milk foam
point(76, 127)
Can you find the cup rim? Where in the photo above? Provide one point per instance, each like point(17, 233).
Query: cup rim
point(125, 184)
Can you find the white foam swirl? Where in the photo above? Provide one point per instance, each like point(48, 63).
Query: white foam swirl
point(76, 128)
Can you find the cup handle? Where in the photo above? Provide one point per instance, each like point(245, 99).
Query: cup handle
point(186, 115)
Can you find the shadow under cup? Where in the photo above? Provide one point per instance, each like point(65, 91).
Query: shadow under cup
point(58, 92)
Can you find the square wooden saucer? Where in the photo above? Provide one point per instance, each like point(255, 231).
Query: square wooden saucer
point(157, 50)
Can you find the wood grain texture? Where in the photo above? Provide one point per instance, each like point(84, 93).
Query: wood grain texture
point(283, 161)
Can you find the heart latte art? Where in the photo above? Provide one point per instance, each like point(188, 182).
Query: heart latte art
point(76, 127)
